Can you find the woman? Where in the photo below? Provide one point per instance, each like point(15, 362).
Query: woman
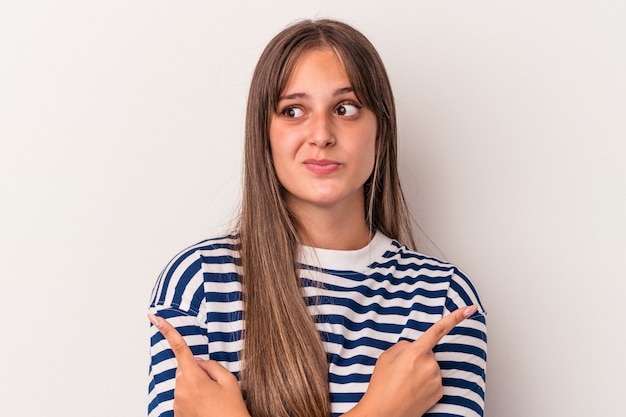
point(331, 302)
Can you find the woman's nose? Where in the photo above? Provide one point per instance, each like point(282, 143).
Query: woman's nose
point(322, 131)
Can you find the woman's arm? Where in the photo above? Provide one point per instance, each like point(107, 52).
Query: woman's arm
point(163, 363)
point(200, 388)
point(462, 355)
point(177, 297)
point(406, 380)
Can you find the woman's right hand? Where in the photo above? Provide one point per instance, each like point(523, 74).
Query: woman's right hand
point(407, 380)
point(203, 388)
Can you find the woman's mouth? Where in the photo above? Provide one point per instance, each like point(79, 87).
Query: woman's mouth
point(321, 166)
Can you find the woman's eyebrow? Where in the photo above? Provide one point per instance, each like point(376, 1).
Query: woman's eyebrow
point(294, 96)
point(343, 90)
point(337, 92)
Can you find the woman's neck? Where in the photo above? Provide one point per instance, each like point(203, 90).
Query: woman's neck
point(324, 228)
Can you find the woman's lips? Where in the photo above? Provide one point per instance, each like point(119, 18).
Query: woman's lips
point(321, 166)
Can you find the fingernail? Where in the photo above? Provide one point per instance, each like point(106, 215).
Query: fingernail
point(470, 310)
point(154, 320)
point(198, 359)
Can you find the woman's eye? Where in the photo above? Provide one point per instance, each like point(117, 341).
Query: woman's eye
point(292, 112)
point(348, 109)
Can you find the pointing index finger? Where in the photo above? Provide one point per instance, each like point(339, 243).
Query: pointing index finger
point(183, 354)
point(437, 331)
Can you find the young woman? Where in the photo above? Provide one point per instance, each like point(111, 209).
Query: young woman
point(312, 306)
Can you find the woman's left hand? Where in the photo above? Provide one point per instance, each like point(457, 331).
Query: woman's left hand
point(203, 388)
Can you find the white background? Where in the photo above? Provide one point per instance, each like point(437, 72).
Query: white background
point(121, 126)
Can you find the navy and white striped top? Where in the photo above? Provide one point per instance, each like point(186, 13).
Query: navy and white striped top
point(367, 300)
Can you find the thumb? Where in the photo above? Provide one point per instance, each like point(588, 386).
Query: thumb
point(215, 371)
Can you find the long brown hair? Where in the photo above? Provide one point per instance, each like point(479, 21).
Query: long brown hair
point(285, 370)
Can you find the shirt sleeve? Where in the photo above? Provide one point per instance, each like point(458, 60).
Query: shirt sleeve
point(177, 297)
point(462, 355)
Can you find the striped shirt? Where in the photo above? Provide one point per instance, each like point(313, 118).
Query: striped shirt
point(366, 301)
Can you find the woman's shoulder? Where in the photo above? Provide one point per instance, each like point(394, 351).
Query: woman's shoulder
point(398, 255)
point(226, 243)
point(407, 261)
point(181, 283)
point(224, 248)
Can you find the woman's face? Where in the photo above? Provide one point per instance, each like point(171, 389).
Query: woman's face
point(322, 138)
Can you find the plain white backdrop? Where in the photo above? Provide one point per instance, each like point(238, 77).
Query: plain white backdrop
point(121, 126)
